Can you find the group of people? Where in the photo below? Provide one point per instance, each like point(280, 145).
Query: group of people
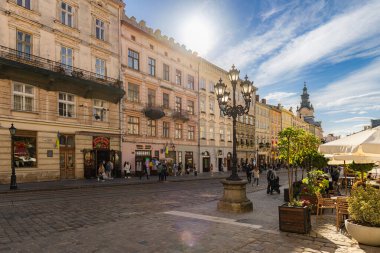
point(272, 178)
point(105, 170)
point(249, 170)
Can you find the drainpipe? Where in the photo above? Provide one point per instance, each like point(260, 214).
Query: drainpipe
point(199, 124)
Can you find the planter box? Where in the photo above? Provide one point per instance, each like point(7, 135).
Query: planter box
point(294, 219)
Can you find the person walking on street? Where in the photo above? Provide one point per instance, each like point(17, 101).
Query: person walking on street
point(139, 169)
point(195, 170)
point(256, 176)
point(271, 178)
point(248, 171)
point(175, 169)
point(147, 172)
point(212, 170)
point(164, 171)
point(127, 170)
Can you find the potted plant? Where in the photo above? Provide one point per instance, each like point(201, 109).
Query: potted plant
point(295, 217)
point(312, 184)
point(363, 209)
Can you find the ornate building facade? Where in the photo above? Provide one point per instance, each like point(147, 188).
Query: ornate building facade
point(60, 87)
point(160, 110)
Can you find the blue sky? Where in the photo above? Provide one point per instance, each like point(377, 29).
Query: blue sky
point(332, 45)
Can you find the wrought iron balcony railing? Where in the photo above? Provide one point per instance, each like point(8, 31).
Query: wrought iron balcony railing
point(57, 67)
point(153, 111)
point(181, 115)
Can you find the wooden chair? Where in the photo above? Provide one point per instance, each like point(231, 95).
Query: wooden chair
point(341, 211)
point(324, 203)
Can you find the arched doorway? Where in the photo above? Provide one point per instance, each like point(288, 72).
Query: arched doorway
point(229, 161)
point(206, 161)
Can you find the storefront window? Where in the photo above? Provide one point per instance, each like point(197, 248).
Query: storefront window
point(25, 152)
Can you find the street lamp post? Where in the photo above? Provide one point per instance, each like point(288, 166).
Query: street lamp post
point(13, 186)
point(234, 195)
point(234, 110)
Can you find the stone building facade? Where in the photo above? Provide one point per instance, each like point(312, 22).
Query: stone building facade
point(60, 87)
point(160, 110)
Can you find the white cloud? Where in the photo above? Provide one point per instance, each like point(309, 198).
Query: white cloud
point(322, 43)
point(279, 96)
point(353, 119)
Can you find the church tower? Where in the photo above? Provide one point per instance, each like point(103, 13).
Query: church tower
point(306, 109)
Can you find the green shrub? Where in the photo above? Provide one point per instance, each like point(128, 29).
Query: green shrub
point(364, 206)
point(314, 182)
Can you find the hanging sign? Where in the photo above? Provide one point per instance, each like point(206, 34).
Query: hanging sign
point(101, 142)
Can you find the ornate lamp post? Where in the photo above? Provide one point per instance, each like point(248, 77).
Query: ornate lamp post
point(13, 186)
point(234, 110)
point(234, 196)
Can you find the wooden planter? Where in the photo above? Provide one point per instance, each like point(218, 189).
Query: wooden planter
point(294, 219)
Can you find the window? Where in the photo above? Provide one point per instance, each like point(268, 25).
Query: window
point(178, 131)
point(133, 59)
point(24, 148)
point(166, 53)
point(165, 100)
point(24, 44)
point(166, 72)
point(202, 130)
point(133, 37)
point(66, 105)
point(178, 104)
point(211, 106)
point(24, 3)
point(190, 133)
point(202, 84)
point(190, 82)
point(133, 125)
point(100, 109)
point(190, 107)
point(212, 137)
point(151, 46)
point(100, 68)
point(165, 129)
point(67, 13)
point(203, 105)
point(151, 97)
point(152, 66)
point(99, 24)
point(221, 131)
point(133, 92)
point(229, 135)
point(211, 87)
point(67, 57)
point(178, 77)
point(23, 97)
point(151, 131)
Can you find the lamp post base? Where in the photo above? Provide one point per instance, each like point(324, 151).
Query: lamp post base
point(13, 183)
point(234, 197)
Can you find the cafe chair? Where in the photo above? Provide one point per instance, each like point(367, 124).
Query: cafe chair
point(324, 203)
point(341, 211)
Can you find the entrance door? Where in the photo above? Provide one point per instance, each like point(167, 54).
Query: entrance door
point(90, 166)
point(206, 164)
point(220, 164)
point(67, 156)
point(67, 165)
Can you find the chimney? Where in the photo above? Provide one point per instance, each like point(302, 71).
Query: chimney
point(279, 106)
point(263, 101)
point(257, 98)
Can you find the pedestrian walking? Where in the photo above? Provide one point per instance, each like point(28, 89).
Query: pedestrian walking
point(139, 169)
point(175, 169)
point(147, 172)
point(256, 176)
point(212, 170)
point(195, 170)
point(127, 170)
point(101, 171)
point(271, 178)
point(248, 170)
point(164, 171)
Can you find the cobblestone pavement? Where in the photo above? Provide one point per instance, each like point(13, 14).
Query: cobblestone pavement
point(151, 218)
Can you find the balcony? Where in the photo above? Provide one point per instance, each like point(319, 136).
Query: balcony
point(55, 76)
point(181, 115)
point(153, 112)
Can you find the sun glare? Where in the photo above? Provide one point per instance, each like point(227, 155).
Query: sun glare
point(198, 35)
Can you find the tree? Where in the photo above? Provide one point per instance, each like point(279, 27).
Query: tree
point(361, 167)
point(288, 148)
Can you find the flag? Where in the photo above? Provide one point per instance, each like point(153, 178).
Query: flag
point(166, 149)
point(57, 141)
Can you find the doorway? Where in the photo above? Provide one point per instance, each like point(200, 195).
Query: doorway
point(220, 164)
point(206, 161)
point(67, 156)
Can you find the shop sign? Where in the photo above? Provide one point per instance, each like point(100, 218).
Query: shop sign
point(101, 142)
point(143, 153)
